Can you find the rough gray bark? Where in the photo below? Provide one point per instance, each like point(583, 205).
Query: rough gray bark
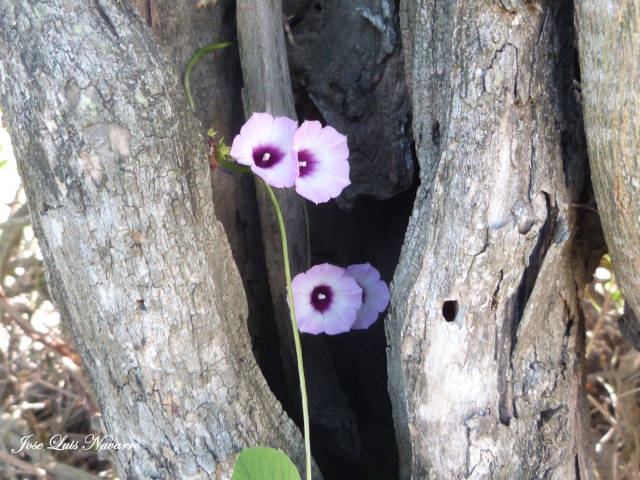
point(485, 326)
point(182, 29)
point(118, 183)
point(610, 70)
point(361, 91)
point(215, 83)
point(267, 88)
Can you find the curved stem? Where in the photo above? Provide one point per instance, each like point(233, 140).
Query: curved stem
point(192, 62)
point(296, 334)
point(307, 231)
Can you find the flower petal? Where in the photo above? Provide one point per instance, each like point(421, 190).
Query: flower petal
point(375, 294)
point(313, 323)
point(322, 155)
point(306, 136)
point(378, 295)
point(325, 299)
point(242, 150)
point(365, 317)
point(281, 175)
point(331, 146)
point(339, 320)
point(264, 144)
point(283, 131)
point(324, 273)
point(258, 128)
point(322, 186)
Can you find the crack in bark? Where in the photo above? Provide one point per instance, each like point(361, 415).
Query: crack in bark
point(106, 18)
point(514, 311)
point(530, 274)
point(147, 13)
point(542, 28)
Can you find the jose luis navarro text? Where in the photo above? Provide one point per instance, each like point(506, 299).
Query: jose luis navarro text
point(60, 442)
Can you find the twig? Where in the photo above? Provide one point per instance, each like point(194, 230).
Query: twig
point(51, 342)
point(629, 392)
point(604, 439)
point(90, 400)
point(61, 391)
point(599, 323)
point(10, 238)
point(27, 467)
point(16, 222)
point(605, 414)
point(67, 472)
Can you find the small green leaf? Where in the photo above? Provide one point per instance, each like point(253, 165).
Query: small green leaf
point(616, 297)
point(3, 163)
point(262, 463)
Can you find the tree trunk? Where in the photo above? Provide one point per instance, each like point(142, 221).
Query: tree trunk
point(485, 326)
point(215, 83)
point(609, 54)
point(485, 333)
point(118, 183)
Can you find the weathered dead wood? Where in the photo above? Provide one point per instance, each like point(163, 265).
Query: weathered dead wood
point(267, 88)
point(485, 324)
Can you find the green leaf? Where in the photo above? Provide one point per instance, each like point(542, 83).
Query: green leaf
point(617, 298)
point(262, 463)
point(3, 163)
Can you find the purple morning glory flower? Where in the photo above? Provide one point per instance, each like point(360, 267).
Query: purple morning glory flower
point(322, 155)
point(326, 300)
point(264, 144)
point(375, 294)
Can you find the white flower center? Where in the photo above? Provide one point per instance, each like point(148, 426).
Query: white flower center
point(303, 164)
point(266, 157)
point(321, 296)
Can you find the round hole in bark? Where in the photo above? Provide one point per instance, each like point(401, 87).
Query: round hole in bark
point(317, 8)
point(450, 310)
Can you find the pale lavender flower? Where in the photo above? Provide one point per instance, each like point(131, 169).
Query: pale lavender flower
point(322, 155)
point(375, 294)
point(264, 144)
point(326, 300)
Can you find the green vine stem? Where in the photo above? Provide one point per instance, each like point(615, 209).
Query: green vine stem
point(192, 62)
point(307, 231)
point(296, 334)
